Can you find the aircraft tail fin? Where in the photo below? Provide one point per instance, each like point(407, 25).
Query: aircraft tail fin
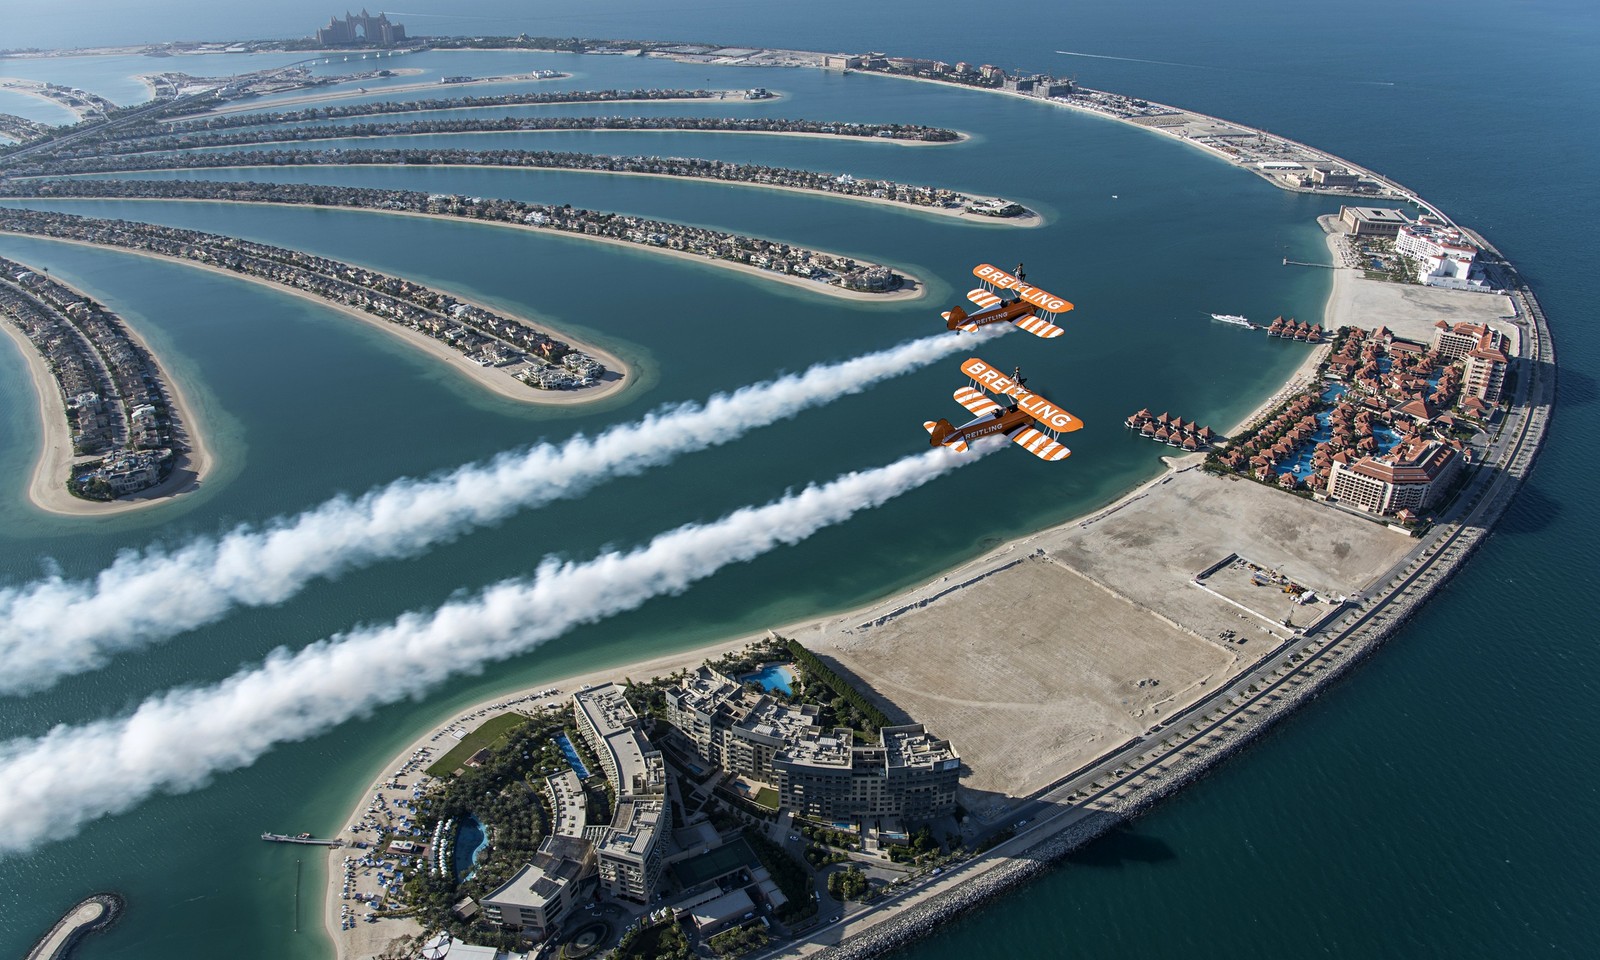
point(954, 318)
point(940, 430)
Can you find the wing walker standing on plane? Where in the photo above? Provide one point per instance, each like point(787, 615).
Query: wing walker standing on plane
point(1029, 420)
point(1027, 307)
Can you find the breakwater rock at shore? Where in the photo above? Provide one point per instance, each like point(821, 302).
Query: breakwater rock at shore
point(89, 915)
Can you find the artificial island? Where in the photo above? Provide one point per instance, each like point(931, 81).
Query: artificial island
point(840, 785)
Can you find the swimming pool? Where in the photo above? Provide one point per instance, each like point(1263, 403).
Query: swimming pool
point(773, 676)
point(572, 756)
point(471, 841)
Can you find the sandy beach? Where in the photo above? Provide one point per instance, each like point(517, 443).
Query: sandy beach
point(491, 378)
point(258, 104)
point(960, 137)
point(1029, 219)
point(366, 940)
point(47, 488)
point(26, 88)
point(912, 289)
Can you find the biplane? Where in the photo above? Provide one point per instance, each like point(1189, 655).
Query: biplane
point(1026, 419)
point(1027, 307)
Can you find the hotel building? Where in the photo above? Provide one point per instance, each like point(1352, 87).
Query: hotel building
point(1445, 256)
point(908, 775)
point(631, 850)
point(540, 895)
point(1372, 221)
point(1410, 477)
point(1481, 349)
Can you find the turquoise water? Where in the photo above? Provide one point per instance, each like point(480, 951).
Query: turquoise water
point(571, 753)
point(471, 841)
point(1433, 804)
point(774, 676)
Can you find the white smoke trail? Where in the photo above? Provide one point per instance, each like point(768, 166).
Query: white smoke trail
point(54, 627)
point(175, 742)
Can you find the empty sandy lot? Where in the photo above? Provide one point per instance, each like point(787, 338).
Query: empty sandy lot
point(1039, 671)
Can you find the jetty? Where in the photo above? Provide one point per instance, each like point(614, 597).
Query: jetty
point(305, 838)
point(87, 916)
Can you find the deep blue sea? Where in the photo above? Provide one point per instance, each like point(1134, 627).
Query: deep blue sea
point(1436, 803)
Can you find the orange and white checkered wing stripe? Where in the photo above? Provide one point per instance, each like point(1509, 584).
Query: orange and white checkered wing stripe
point(976, 402)
point(982, 298)
point(1039, 443)
point(1039, 327)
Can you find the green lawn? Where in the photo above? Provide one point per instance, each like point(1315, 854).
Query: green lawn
point(488, 732)
point(767, 797)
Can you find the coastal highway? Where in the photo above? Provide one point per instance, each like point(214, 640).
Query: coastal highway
point(1128, 780)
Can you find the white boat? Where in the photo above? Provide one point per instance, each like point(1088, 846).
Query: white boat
point(1234, 319)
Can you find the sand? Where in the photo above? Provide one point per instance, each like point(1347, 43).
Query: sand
point(1027, 220)
point(960, 137)
point(491, 378)
point(260, 104)
point(1411, 310)
point(47, 489)
point(911, 289)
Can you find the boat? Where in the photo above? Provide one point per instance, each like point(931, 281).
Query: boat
point(1234, 319)
point(301, 838)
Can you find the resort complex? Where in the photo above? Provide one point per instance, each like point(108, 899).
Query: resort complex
point(723, 709)
point(820, 774)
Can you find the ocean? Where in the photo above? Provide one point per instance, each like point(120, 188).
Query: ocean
point(1434, 803)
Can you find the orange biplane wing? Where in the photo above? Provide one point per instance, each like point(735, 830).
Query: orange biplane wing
point(1031, 422)
point(1040, 444)
point(999, 279)
point(1049, 415)
point(975, 402)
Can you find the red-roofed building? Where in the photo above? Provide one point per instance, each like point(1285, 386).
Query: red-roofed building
point(1410, 476)
point(1454, 342)
point(1485, 370)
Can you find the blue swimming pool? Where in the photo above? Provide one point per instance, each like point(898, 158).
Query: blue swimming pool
point(1301, 463)
point(572, 756)
point(773, 676)
point(471, 841)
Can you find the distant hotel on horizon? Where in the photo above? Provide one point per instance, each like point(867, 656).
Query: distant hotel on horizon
point(361, 28)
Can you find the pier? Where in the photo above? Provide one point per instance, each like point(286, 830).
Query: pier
point(1301, 263)
point(301, 838)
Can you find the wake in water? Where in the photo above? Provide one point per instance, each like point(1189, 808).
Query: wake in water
point(175, 742)
point(54, 627)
